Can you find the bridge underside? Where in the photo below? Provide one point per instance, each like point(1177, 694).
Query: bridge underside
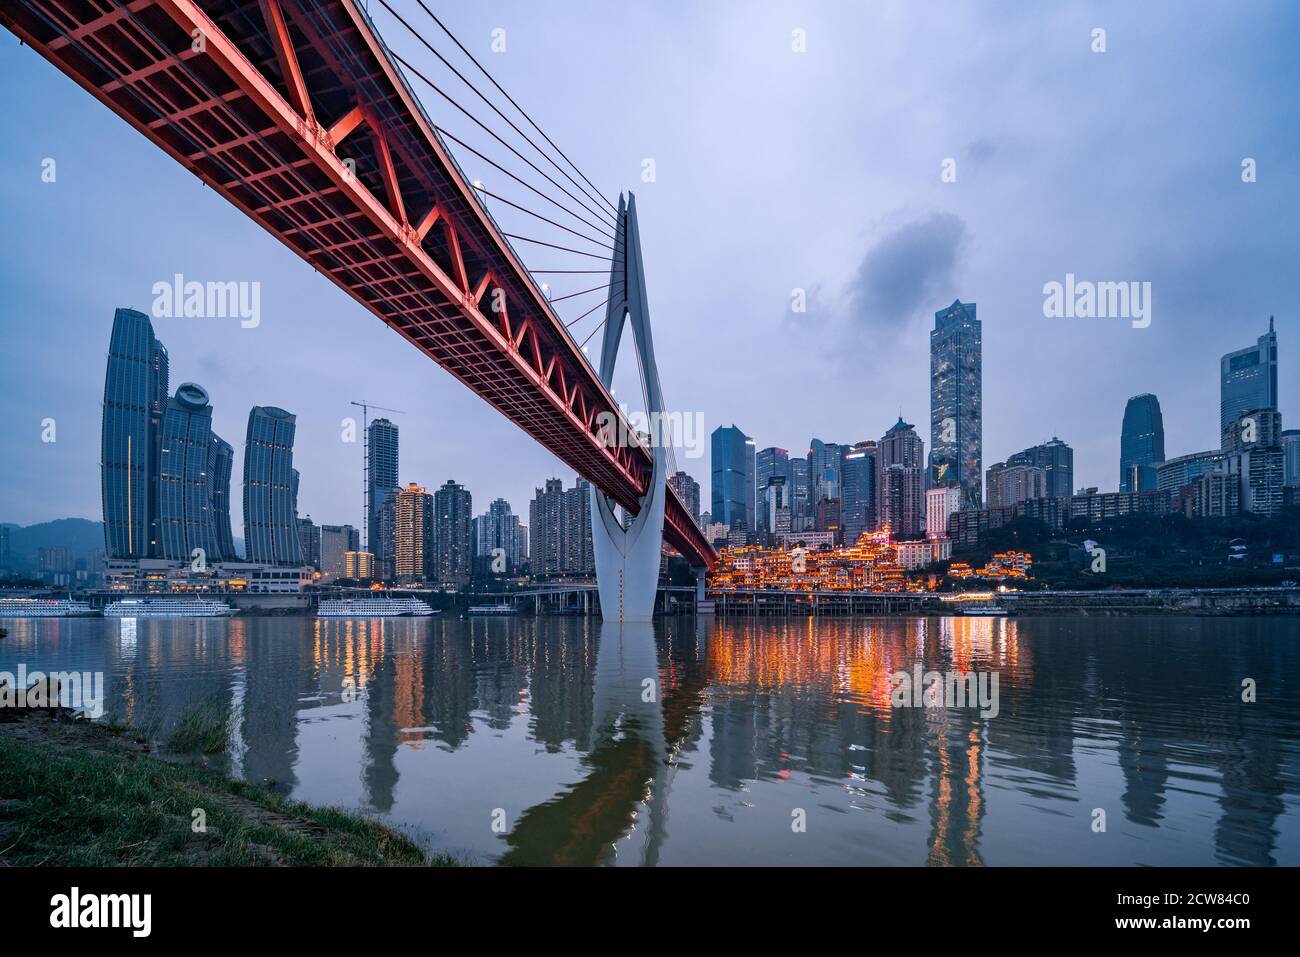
point(294, 112)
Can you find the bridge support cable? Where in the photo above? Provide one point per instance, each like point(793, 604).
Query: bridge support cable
point(520, 180)
point(483, 126)
point(529, 212)
point(522, 112)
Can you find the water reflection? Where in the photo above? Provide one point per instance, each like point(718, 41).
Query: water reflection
point(697, 742)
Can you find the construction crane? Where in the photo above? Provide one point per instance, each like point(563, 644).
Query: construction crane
point(365, 466)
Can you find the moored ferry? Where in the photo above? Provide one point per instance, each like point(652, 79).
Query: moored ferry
point(168, 608)
point(368, 607)
point(43, 608)
point(982, 611)
point(492, 611)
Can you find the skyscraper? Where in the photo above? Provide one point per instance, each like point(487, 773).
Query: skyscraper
point(800, 508)
point(559, 530)
point(188, 507)
point(498, 529)
point(336, 541)
point(270, 519)
point(858, 499)
point(900, 482)
point(135, 393)
point(824, 470)
point(1141, 444)
point(387, 540)
point(453, 513)
point(381, 484)
point(1012, 484)
point(733, 476)
point(1248, 379)
point(770, 463)
point(415, 533)
point(689, 491)
point(774, 508)
point(309, 542)
point(1254, 455)
point(1055, 458)
point(221, 464)
point(956, 386)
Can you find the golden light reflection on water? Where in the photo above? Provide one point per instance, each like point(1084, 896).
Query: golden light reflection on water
point(854, 658)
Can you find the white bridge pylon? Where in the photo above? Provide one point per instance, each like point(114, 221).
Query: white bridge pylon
point(627, 560)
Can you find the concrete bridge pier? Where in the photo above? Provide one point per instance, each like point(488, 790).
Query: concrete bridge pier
point(627, 559)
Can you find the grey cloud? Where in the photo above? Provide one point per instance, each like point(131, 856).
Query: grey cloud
point(907, 272)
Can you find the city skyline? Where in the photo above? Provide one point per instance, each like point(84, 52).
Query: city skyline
point(1209, 299)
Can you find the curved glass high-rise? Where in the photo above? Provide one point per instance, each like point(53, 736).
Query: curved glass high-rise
point(221, 460)
point(270, 513)
point(1141, 444)
point(185, 521)
point(135, 392)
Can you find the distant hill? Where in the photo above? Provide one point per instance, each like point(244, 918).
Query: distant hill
point(79, 534)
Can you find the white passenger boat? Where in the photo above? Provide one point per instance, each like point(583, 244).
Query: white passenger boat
point(368, 607)
point(492, 611)
point(43, 608)
point(981, 611)
point(168, 608)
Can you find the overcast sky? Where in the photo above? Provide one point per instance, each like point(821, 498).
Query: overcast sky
point(774, 170)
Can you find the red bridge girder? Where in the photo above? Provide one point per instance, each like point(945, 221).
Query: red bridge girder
point(294, 112)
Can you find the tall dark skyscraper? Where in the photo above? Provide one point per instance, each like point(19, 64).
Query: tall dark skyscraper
point(453, 515)
point(1141, 444)
point(189, 497)
point(381, 485)
point(733, 477)
point(135, 394)
point(270, 519)
point(956, 409)
point(858, 502)
point(221, 462)
point(1248, 379)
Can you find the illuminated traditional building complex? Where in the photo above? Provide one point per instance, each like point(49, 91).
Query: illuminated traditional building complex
point(870, 565)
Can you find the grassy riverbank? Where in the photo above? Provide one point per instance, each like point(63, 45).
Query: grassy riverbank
point(81, 794)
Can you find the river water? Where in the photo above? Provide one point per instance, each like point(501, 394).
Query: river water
point(1121, 741)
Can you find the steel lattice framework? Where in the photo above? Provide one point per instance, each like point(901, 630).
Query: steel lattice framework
point(294, 111)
